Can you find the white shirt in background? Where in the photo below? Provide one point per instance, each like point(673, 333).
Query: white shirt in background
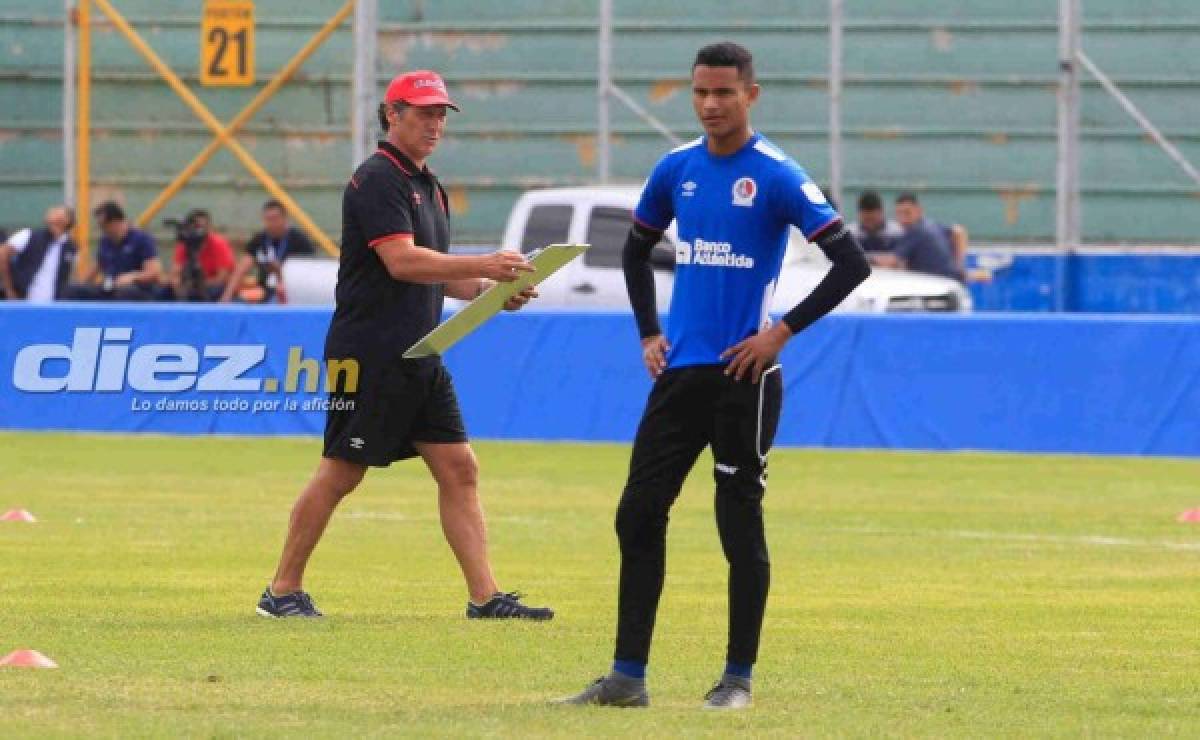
point(41, 288)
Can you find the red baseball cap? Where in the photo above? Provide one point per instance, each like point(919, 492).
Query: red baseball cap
point(421, 87)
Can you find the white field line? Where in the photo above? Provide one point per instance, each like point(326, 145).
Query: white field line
point(1046, 539)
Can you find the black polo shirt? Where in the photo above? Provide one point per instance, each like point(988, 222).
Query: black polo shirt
point(378, 317)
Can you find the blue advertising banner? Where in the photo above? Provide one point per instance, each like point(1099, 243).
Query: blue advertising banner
point(178, 369)
point(1085, 384)
point(1110, 282)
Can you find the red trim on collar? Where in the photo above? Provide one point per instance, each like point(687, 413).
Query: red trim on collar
point(395, 161)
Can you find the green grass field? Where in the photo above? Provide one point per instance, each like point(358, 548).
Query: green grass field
point(912, 595)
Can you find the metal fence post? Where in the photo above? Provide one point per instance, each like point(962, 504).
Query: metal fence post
point(68, 102)
point(835, 100)
point(83, 132)
point(1067, 205)
point(362, 126)
point(603, 85)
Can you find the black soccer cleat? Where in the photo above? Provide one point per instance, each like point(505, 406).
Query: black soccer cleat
point(729, 693)
point(508, 606)
point(611, 691)
point(296, 604)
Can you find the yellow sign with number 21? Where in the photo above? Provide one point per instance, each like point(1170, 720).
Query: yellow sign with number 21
point(227, 43)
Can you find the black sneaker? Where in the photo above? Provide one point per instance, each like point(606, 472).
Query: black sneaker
point(611, 691)
point(729, 693)
point(297, 604)
point(508, 606)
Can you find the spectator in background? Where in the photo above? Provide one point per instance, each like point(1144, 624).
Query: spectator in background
point(873, 229)
point(959, 240)
point(203, 261)
point(35, 264)
point(263, 260)
point(127, 267)
point(922, 247)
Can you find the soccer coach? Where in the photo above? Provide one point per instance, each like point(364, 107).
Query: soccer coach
point(392, 277)
point(734, 197)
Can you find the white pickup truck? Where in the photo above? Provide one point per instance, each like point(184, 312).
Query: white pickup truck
point(601, 215)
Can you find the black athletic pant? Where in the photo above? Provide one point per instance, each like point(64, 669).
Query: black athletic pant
point(689, 409)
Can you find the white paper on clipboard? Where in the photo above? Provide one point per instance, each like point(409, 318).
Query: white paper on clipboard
point(545, 263)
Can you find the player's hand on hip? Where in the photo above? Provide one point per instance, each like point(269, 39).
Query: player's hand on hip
point(752, 355)
point(654, 354)
point(504, 266)
point(520, 299)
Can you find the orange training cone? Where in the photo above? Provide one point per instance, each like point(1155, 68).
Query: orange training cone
point(17, 515)
point(27, 659)
point(1191, 515)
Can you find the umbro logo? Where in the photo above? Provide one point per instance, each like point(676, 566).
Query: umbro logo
point(689, 189)
point(357, 442)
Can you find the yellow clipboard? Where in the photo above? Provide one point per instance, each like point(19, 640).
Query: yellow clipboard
point(545, 263)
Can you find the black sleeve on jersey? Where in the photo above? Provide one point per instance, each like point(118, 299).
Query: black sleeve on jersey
point(299, 244)
point(850, 267)
point(382, 206)
point(639, 277)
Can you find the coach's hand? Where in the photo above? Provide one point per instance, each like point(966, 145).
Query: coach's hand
point(504, 266)
point(754, 354)
point(520, 299)
point(654, 354)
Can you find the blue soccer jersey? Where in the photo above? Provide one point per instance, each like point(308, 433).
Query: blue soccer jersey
point(733, 215)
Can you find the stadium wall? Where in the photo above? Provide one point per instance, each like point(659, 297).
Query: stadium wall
point(1098, 385)
point(952, 98)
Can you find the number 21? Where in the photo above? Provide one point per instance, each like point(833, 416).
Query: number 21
point(221, 37)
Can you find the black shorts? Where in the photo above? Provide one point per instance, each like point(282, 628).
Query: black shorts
point(691, 408)
point(394, 407)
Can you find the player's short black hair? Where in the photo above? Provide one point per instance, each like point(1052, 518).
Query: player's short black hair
point(727, 54)
point(908, 197)
point(870, 201)
point(107, 212)
point(273, 203)
point(397, 106)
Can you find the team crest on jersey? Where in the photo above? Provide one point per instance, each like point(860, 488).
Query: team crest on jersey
point(744, 191)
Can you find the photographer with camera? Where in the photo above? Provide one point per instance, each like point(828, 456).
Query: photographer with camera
point(127, 267)
point(203, 260)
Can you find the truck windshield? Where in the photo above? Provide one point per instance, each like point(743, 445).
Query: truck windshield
point(606, 233)
point(546, 225)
